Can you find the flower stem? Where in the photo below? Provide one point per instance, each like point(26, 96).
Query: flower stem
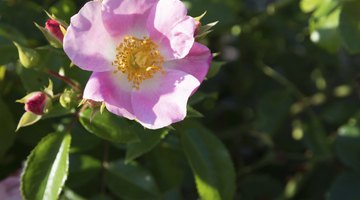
point(68, 81)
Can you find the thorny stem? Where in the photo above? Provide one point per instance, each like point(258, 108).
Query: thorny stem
point(65, 79)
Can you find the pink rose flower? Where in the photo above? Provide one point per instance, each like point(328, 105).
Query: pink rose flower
point(10, 188)
point(54, 28)
point(143, 55)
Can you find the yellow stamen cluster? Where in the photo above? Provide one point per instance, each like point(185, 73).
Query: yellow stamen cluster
point(139, 59)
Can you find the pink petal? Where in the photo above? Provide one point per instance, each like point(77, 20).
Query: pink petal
point(164, 103)
point(196, 63)
point(113, 89)
point(87, 43)
point(171, 28)
point(123, 17)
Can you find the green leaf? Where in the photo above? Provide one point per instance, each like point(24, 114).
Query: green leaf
point(191, 112)
point(108, 126)
point(214, 68)
point(210, 161)
point(350, 26)
point(169, 172)
point(130, 181)
point(82, 141)
point(82, 169)
point(70, 195)
point(7, 125)
point(46, 168)
point(200, 96)
point(346, 186)
point(309, 5)
point(148, 140)
point(324, 26)
point(27, 119)
point(347, 145)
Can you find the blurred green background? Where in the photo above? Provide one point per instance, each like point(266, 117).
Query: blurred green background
point(285, 101)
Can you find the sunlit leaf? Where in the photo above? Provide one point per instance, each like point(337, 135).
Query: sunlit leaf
point(309, 5)
point(324, 26)
point(208, 158)
point(108, 126)
point(46, 168)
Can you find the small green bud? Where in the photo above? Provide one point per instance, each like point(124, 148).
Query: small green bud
point(28, 57)
point(69, 99)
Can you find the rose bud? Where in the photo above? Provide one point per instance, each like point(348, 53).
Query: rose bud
point(36, 102)
point(54, 28)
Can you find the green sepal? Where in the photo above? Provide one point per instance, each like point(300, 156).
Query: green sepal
point(29, 58)
point(27, 119)
point(53, 41)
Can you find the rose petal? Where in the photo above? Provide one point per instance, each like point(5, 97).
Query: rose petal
point(196, 63)
point(171, 28)
point(122, 17)
point(87, 43)
point(164, 103)
point(112, 88)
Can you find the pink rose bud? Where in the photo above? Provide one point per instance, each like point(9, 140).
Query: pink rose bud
point(54, 28)
point(36, 103)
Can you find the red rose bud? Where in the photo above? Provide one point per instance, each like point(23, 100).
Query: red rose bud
point(54, 28)
point(37, 103)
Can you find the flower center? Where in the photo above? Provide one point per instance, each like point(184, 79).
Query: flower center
point(139, 59)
